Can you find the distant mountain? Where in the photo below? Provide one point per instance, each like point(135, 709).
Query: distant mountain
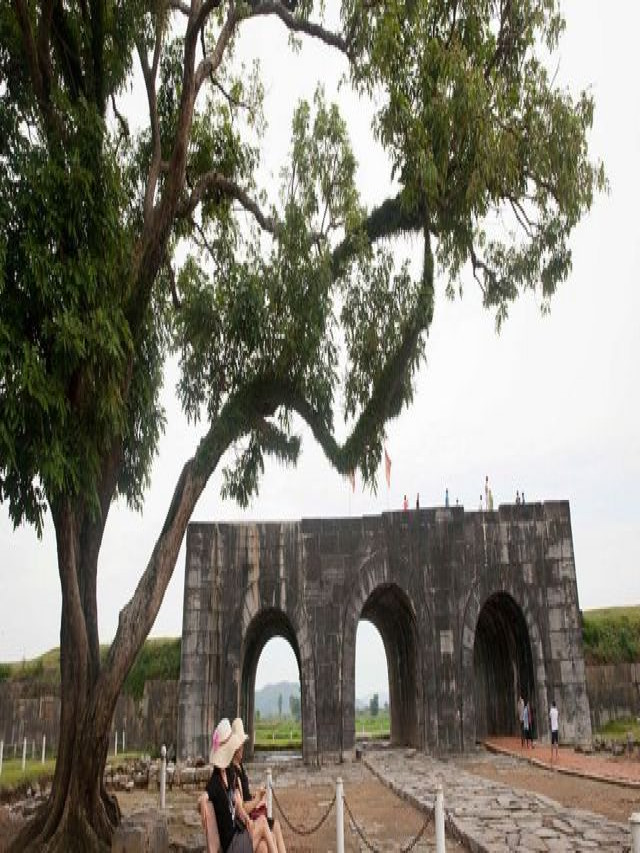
point(267, 698)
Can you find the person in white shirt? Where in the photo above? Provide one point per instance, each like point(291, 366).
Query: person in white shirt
point(553, 718)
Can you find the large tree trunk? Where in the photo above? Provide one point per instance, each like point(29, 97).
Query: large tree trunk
point(79, 814)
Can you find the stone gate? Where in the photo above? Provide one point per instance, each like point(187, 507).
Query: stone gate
point(473, 609)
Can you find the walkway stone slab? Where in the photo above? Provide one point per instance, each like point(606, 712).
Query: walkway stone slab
point(491, 817)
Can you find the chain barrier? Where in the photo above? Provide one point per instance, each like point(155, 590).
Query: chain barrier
point(370, 846)
point(303, 830)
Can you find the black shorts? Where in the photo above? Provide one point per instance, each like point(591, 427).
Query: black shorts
point(554, 737)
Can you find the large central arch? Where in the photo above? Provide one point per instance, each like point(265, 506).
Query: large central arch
point(502, 666)
point(389, 609)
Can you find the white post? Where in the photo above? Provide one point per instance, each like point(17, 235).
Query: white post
point(269, 793)
point(439, 820)
point(44, 747)
point(1, 754)
point(124, 740)
point(163, 777)
point(339, 816)
point(634, 820)
point(24, 754)
point(115, 750)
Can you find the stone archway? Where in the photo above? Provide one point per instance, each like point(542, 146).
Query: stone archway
point(378, 599)
point(389, 609)
point(264, 626)
point(502, 666)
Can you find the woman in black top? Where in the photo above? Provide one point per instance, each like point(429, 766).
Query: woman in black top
point(238, 833)
point(249, 802)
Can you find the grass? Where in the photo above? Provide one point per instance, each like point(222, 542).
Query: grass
point(158, 660)
point(286, 733)
point(13, 777)
point(617, 729)
point(611, 635)
point(373, 727)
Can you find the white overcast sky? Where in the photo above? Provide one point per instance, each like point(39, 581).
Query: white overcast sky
point(550, 406)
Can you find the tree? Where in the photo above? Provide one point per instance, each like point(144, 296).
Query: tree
point(374, 706)
point(279, 704)
point(294, 706)
point(117, 249)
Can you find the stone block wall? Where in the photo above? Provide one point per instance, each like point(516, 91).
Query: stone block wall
point(32, 709)
point(614, 692)
point(444, 587)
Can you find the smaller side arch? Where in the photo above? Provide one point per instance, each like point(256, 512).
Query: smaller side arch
point(383, 602)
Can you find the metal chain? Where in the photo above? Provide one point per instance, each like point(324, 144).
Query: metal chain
point(302, 830)
point(370, 846)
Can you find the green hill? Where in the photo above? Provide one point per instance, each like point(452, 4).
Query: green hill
point(611, 635)
point(158, 660)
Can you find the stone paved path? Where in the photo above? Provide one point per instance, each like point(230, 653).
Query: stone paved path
point(494, 818)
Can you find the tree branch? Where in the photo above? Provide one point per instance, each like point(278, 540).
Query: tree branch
point(240, 415)
point(149, 73)
point(390, 217)
point(209, 63)
point(295, 24)
point(214, 182)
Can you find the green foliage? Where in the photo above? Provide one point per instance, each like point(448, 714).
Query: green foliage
point(158, 660)
point(5, 671)
point(611, 635)
point(475, 128)
point(374, 706)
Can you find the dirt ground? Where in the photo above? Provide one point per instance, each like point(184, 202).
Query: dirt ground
point(616, 802)
point(304, 795)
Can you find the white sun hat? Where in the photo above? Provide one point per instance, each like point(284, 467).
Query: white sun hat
point(237, 727)
point(223, 744)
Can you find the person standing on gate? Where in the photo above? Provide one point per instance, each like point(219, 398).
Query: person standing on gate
point(521, 719)
point(525, 723)
point(553, 719)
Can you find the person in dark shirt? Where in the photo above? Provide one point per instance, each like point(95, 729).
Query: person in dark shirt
point(238, 832)
point(251, 804)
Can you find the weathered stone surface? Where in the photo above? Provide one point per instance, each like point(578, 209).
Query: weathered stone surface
point(144, 832)
point(490, 816)
point(473, 609)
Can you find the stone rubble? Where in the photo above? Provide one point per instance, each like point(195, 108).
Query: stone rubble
point(489, 817)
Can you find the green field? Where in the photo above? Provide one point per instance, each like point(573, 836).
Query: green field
point(286, 733)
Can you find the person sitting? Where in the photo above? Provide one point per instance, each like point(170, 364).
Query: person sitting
point(257, 803)
point(238, 833)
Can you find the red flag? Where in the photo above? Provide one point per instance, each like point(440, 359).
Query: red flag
point(352, 480)
point(387, 468)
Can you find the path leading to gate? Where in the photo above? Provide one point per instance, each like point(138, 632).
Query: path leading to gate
point(599, 766)
point(488, 816)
